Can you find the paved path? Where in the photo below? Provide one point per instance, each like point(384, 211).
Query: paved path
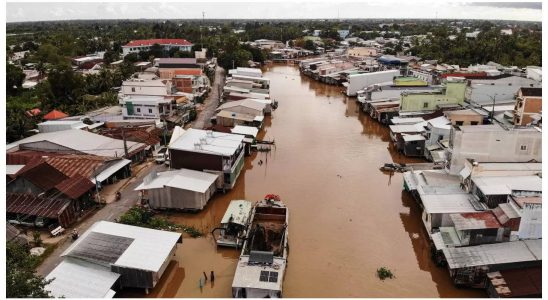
point(108, 213)
point(212, 101)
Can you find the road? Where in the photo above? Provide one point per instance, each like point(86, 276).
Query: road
point(212, 101)
point(108, 213)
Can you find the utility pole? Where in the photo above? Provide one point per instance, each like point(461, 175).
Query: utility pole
point(493, 108)
point(125, 142)
point(233, 64)
point(201, 39)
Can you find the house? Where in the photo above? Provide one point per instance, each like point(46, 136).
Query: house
point(452, 93)
point(246, 106)
point(468, 266)
point(142, 87)
point(398, 131)
point(437, 130)
point(492, 143)
point(169, 67)
point(361, 81)
point(464, 117)
point(37, 210)
point(59, 125)
point(76, 141)
point(145, 45)
point(494, 190)
point(216, 152)
point(479, 228)
point(251, 72)
point(179, 189)
point(146, 107)
point(528, 104)
point(230, 119)
point(250, 134)
point(111, 256)
point(197, 85)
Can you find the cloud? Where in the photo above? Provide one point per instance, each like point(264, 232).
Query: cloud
point(526, 5)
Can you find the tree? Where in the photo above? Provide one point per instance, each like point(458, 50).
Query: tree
point(110, 56)
point(66, 87)
point(14, 79)
point(21, 279)
point(309, 45)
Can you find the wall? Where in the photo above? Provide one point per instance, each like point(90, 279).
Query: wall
point(144, 90)
point(361, 81)
point(531, 222)
point(195, 160)
point(493, 146)
point(525, 108)
point(465, 118)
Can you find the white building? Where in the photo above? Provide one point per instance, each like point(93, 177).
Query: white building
point(145, 87)
point(59, 125)
point(180, 189)
point(145, 107)
point(358, 82)
point(168, 44)
point(110, 253)
point(492, 143)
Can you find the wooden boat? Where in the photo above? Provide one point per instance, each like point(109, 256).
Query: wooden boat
point(233, 225)
point(261, 267)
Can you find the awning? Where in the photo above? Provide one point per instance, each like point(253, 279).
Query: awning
point(111, 170)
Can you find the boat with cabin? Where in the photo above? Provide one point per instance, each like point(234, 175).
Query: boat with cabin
point(233, 225)
point(263, 260)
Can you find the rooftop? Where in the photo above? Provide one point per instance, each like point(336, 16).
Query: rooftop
point(477, 220)
point(249, 103)
point(218, 143)
point(494, 254)
point(124, 246)
point(81, 141)
point(245, 130)
point(447, 203)
point(151, 42)
point(184, 179)
point(238, 212)
point(504, 185)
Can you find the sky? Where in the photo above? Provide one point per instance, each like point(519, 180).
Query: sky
point(48, 11)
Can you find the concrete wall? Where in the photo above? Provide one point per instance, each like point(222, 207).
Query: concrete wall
point(195, 160)
point(360, 81)
point(494, 146)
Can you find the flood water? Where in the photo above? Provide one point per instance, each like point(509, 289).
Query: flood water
point(347, 218)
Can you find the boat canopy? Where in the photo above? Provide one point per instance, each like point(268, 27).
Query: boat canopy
point(237, 212)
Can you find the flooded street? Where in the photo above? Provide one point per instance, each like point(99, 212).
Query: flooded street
point(346, 217)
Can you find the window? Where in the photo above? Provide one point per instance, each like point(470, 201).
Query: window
point(161, 109)
point(425, 105)
point(474, 123)
point(459, 123)
point(133, 89)
point(440, 137)
point(138, 110)
point(150, 110)
point(523, 147)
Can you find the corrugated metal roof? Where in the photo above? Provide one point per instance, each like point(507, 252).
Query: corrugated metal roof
point(245, 130)
point(82, 141)
point(74, 278)
point(111, 169)
point(13, 169)
point(526, 282)
point(42, 174)
point(492, 254)
point(446, 204)
point(30, 204)
point(101, 248)
point(249, 103)
point(478, 220)
point(504, 185)
point(75, 186)
point(184, 179)
point(148, 251)
point(215, 142)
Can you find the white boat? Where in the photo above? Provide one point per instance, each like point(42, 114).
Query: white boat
point(261, 267)
point(234, 224)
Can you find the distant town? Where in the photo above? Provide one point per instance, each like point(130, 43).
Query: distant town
point(172, 158)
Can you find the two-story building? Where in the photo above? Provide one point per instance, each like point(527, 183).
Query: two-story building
point(453, 92)
point(528, 104)
point(209, 151)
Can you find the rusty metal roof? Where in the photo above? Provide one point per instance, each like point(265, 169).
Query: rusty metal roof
point(75, 186)
point(71, 165)
point(479, 220)
point(41, 174)
point(22, 157)
point(30, 204)
point(518, 282)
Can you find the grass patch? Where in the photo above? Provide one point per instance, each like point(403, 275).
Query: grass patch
point(384, 273)
point(138, 216)
point(38, 260)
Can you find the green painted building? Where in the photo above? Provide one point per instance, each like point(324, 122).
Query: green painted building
point(409, 81)
point(451, 93)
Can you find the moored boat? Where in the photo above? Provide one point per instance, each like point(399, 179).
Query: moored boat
point(234, 224)
point(263, 260)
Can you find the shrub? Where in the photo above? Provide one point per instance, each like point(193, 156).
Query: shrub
point(384, 273)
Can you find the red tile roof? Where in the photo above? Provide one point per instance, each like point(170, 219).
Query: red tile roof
point(151, 42)
point(30, 204)
point(75, 186)
point(54, 115)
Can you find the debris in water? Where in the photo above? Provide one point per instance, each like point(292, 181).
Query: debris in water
point(384, 273)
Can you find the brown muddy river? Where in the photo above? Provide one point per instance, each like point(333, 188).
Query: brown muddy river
point(346, 217)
